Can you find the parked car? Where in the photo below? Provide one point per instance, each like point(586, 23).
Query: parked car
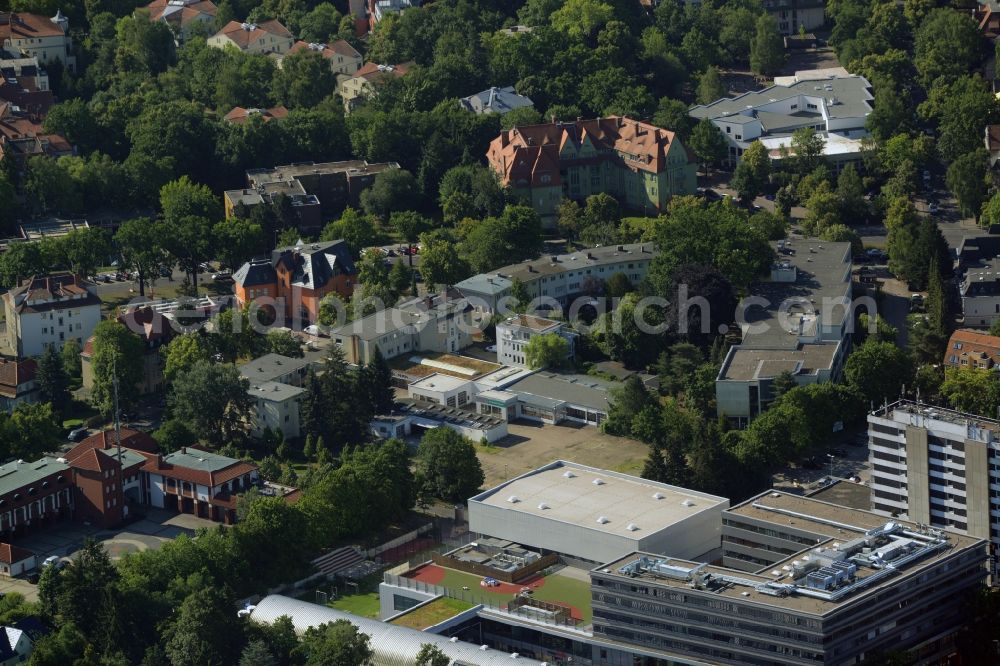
point(78, 434)
point(916, 303)
point(53, 561)
point(315, 330)
point(876, 254)
point(933, 208)
point(222, 275)
point(165, 272)
point(491, 348)
point(839, 452)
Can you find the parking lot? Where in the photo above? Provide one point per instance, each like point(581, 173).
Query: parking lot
point(846, 458)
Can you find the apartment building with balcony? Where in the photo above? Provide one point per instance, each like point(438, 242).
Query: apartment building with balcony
point(49, 310)
point(936, 466)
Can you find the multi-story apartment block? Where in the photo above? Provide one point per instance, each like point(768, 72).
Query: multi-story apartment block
point(258, 38)
point(795, 15)
point(801, 329)
point(937, 467)
point(836, 106)
point(296, 279)
point(276, 408)
point(342, 57)
point(48, 310)
point(559, 277)
point(317, 192)
point(514, 334)
point(438, 323)
point(843, 586)
point(980, 293)
point(641, 165)
point(39, 37)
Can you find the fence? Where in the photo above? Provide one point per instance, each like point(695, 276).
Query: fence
point(472, 597)
point(506, 576)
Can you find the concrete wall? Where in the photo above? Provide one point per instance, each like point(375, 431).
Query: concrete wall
point(981, 311)
point(917, 478)
point(539, 532)
point(387, 594)
point(977, 489)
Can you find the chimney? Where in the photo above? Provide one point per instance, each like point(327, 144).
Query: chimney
point(621, 248)
point(493, 96)
point(184, 449)
point(552, 119)
point(531, 269)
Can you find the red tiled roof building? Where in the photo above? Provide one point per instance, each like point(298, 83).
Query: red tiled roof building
point(641, 165)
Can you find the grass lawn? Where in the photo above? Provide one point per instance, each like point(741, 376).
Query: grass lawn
point(417, 370)
point(433, 613)
point(556, 589)
point(77, 414)
point(362, 605)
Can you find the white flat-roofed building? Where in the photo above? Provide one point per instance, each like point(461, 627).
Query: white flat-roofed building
point(441, 389)
point(514, 334)
point(598, 515)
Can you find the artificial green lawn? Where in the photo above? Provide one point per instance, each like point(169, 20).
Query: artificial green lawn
point(556, 589)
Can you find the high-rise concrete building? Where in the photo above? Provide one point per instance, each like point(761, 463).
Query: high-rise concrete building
point(937, 467)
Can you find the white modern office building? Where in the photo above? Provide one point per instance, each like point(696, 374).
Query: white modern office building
point(597, 515)
point(837, 107)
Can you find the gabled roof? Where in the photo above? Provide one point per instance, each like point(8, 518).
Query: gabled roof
point(254, 273)
point(495, 100)
point(340, 47)
point(51, 292)
point(973, 345)
point(20, 25)
point(533, 154)
point(313, 265)
point(245, 34)
point(147, 323)
point(197, 466)
point(180, 12)
point(12, 554)
point(239, 115)
point(105, 440)
point(372, 71)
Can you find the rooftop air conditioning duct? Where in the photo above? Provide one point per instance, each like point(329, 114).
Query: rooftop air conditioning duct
point(569, 475)
point(687, 502)
point(657, 496)
point(598, 482)
point(603, 520)
point(632, 527)
point(543, 506)
point(513, 499)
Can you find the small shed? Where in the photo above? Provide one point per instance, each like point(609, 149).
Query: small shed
point(15, 561)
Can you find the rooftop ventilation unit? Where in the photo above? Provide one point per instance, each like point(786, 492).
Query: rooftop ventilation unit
point(603, 520)
point(598, 482)
point(687, 502)
point(543, 506)
point(632, 527)
point(513, 499)
point(657, 496)
point(569, 475)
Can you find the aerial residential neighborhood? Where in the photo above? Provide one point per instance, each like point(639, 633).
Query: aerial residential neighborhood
point(467, 332)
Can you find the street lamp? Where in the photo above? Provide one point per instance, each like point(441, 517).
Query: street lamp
point(831, 457)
